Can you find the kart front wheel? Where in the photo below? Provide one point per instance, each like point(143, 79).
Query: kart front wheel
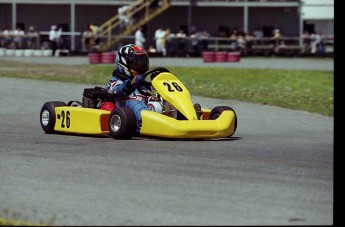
point(218, 110)
point(122, 123)
point(48, 115)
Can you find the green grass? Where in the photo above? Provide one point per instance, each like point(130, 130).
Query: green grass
point(311, 91)
point(10, 222)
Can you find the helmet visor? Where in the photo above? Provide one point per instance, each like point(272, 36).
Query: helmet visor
point(138, 63)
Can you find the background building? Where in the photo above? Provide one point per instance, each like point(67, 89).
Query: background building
point(318, 16)
point(217, 17)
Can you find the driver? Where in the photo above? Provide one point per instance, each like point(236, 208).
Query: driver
point(131, 62)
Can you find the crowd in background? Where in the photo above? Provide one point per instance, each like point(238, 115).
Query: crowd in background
point(18, 39)
point(165, 42)
point(31, 39)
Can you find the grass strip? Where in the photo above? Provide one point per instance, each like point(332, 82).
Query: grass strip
point(307, 90)
point(10, 222)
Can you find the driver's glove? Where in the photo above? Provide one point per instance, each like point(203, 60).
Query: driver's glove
point(137, 81)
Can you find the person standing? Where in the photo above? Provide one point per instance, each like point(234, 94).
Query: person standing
point(169, 45)
point(139, 37)
point(18, 35)
point(87, 39)
point(32, 38)
point(160, 41)
point(54, 37)
point(123, 16)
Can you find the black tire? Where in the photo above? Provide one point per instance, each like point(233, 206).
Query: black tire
point(122, 123)
point(218, 110)
point(48, 115)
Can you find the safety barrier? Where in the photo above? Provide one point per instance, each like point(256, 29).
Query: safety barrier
point(94, 58)
point(4, 52)
point(102, 57)
point(108, 57)
point(234, 57)
point(221, 56)
point(208, 56)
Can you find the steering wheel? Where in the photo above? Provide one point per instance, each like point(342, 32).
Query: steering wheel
point(153, 72)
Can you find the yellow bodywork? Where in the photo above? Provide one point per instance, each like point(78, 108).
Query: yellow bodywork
point(81, 120)
point(155, 124)
point(173, 91)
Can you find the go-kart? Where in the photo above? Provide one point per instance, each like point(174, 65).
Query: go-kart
point(177, 118)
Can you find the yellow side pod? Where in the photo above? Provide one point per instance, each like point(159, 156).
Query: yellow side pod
point(81, 120)
point(155, 124)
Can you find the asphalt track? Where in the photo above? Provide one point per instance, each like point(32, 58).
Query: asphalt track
point(276, 170)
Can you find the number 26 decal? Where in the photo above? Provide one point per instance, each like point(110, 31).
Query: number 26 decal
point(66, 119)
point(173, 86)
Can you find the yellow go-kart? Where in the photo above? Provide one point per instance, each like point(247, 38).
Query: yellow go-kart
point(178, 118)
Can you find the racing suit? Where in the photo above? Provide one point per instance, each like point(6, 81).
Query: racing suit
point(127, 96)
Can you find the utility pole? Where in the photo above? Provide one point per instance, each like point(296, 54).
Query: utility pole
point(14, 15)
point(191, 4)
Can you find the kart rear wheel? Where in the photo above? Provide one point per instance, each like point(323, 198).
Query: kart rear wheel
point(218, 110)
point(122, 123)
point(48, 115)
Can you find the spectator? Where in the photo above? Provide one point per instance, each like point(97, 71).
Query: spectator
point(233, 38)
point(276, 37)
point(249, 39)
point(317, 45)
point(181, 34)
point(306, 42)
point(315, 40)
point(95, 31)
point(18, 37)
point(203, 36)
point(257, 33)
point(7, 38)
point(123, 16)
point(258, 36)
point(169, 46)
point(199, 39)
point(275, 40)
point(54, 38)
point(281, 45)
point(87, 40)
point(241, 42)
point(32, 38)
point(322, 48)
point(181, 43)
point(139, 37)
point(160, 41)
